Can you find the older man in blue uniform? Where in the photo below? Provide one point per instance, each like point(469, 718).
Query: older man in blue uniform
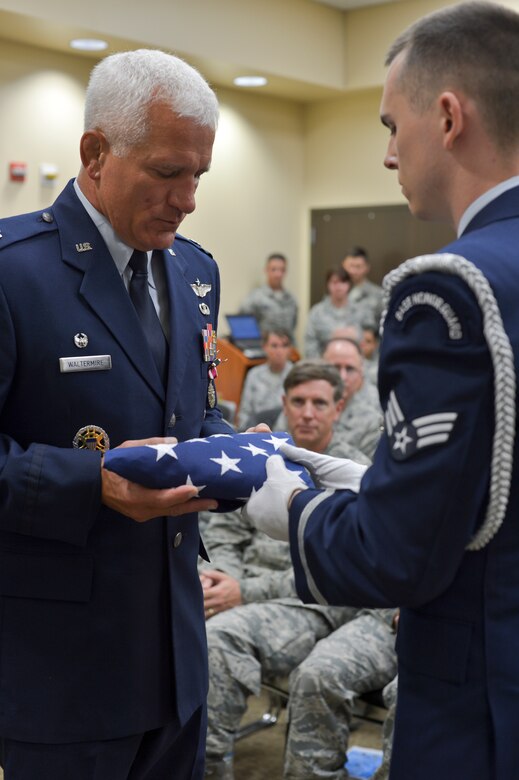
point(434, 525)
point(102, 636)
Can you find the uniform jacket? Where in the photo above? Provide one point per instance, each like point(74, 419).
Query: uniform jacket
point(101, 622)
point(402, 540)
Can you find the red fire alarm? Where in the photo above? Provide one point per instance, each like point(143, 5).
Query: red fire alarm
point(17, 171)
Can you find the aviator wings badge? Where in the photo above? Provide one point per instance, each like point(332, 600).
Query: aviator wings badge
point(201, 289)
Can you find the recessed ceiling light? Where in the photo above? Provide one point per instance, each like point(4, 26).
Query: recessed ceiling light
point(250, 81)
point(88, 44)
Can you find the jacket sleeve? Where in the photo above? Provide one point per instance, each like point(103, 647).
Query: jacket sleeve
point(400, 541)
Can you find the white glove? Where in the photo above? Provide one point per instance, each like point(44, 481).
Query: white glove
point(268, 508)
point(327, 472)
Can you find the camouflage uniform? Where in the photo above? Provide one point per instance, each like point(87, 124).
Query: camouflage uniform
point(323, 319)
point(267, 637)
point(367, 296)
point(360, 423)
point(263, 389)
point(389, 694)
point(273, 309)
point(356, 658)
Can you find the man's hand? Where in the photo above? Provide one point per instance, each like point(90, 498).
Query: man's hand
point(221, 592)
point(142, 503)
point(259, 428)
point(327, 472)
point(268, 508)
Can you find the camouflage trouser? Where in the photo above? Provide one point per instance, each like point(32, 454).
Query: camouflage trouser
point(357, 657)
point(390, 695)
point(247, 644)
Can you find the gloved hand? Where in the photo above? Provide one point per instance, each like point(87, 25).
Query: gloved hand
point(327, 472)
point(268, 507)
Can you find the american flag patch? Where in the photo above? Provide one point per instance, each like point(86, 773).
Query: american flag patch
point(226, 467)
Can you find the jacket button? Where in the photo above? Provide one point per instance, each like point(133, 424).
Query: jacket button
point(177, 541)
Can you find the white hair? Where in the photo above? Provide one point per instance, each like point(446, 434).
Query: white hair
point(123, 86)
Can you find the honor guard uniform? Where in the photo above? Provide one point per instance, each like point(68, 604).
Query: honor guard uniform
point(434, 528)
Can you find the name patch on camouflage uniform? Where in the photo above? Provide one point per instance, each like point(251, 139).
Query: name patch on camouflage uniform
point(407, 437)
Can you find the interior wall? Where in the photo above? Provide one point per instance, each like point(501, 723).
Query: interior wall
point(274, 161)
point(249, 204)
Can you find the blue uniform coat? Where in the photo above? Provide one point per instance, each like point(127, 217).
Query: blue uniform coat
point(102, 629)
point(402, 540)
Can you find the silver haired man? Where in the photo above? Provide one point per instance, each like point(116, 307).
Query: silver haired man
point(102, 613)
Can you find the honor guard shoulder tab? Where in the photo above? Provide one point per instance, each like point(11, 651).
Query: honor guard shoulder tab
point(179, 237)
point(23, 226)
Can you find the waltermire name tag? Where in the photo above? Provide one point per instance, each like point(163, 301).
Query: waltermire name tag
point(86, 363)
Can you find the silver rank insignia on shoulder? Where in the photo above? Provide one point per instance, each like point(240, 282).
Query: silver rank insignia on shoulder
point(86, 246)
point(201, 289)
point(81, 340)
point(91, 437)
point(406, 438)
point(211, 394)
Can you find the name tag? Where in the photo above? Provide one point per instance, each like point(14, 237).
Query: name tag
point(90, 363)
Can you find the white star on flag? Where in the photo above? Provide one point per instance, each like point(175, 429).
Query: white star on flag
point(189, 481)
point(275, 441)
point(255, 450)
point(164, 449)
point(227, 463)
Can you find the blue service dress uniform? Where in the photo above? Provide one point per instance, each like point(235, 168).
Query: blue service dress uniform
point(102, 630)
point(434, 528)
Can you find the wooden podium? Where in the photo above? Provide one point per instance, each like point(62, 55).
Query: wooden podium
point(232, 371)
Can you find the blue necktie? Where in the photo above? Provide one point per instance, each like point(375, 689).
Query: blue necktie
point(141, 299)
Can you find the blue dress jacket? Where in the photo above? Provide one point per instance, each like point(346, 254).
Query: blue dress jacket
point(102, 630)
point(402, 541)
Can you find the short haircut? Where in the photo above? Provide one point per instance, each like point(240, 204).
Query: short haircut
point(358, 251)
point(340, 272)
point(474, 47)
point(343, 339)
point(276, 256)
point(122, 88)
point(314, 370)
point(371, 328)
point(280, 332)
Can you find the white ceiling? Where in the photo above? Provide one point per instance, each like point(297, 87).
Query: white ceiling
point(347, 5)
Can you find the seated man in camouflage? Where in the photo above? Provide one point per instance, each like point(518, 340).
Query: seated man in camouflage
point(360, 423)
point(258, 628)
point(263, 388)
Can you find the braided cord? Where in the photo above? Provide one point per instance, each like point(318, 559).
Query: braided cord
point(504, 377)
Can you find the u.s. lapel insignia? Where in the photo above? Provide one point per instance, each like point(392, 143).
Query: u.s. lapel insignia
point(81, 340)
point(200, 289)
point(91, 437)
point(85, 246)
point(204, 308)
point(406, 438)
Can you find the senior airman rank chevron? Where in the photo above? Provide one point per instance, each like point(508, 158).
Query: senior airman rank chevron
point(227, 467)
point(408, 437)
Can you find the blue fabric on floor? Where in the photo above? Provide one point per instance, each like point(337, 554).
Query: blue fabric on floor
point(362, 763)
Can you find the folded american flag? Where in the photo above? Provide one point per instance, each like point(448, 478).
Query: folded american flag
point(226, 467)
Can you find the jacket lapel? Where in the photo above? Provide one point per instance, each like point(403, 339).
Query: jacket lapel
point(102, 288)
point(180, 314)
